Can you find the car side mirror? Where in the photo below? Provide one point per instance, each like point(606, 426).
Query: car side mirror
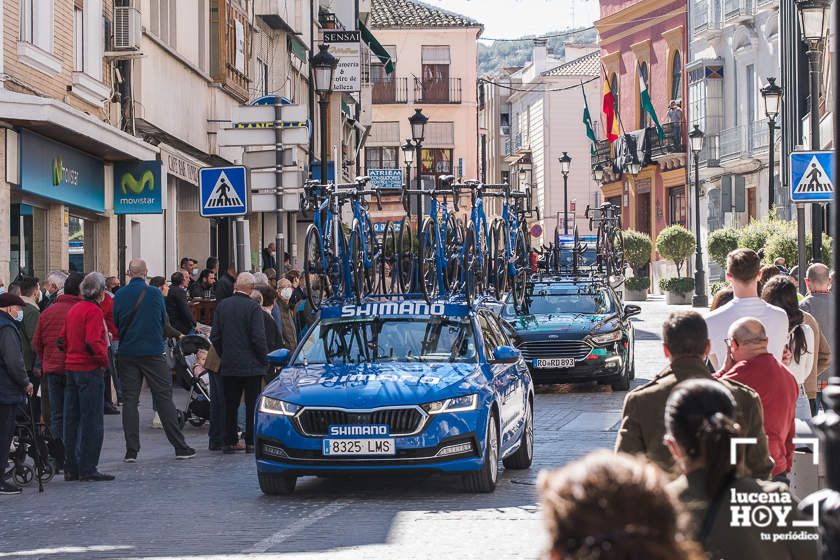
point(506, 355)
point(631, 311)
point(279, 357)
point(507, 328)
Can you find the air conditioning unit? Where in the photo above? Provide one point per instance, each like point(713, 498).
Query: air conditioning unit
point(127, 31)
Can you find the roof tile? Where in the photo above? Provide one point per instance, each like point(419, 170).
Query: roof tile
point(587, 65)
point(386, 14)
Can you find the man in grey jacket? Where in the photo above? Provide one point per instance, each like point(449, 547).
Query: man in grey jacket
point(14, 382)
point(238, 336)
point(818, 303)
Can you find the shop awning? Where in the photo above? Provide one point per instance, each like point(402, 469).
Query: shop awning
point(63, 123)
point(377, 48)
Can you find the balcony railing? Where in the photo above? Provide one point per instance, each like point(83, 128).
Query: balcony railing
point(672, 141)
point(759, 135)
point(731, 142)
point(513, 144)
point(390, 90)
point(602, 155)
point(738, 9)
point(437, 90)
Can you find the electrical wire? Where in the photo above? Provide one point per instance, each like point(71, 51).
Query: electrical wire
point(546, 90)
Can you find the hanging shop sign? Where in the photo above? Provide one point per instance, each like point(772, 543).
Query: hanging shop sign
point(59, 172)
point(346, 47)
point(138, 187)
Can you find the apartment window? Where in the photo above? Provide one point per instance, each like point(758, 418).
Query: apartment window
point(676, 77)
point(385, 133)
point(262, 77)
point(751, 97)
point(382, 158)
point(676, 206)
point(78, 37)
point(163, 24)
point(440, 134)
point(36, 23)
point(435, 73)
point(643, 78)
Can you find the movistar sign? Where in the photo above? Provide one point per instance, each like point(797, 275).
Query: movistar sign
point(62, 174)
point(138, 188)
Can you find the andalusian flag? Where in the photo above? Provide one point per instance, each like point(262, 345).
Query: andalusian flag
point(587, 120)
point(613, 129)
point(646, 103)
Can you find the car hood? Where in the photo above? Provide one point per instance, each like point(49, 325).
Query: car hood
point(571, 324)
point(374, 385)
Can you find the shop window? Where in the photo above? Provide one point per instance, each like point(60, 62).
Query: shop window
point(28, 241)
point(676, 206)
point(382, 158)
point(436, 161)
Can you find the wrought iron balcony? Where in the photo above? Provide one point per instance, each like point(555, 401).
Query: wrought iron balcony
point(732, 143)
point(759, 135)
point(437, 90)
point(390, 90)
point(672, 141)
point(513, 144)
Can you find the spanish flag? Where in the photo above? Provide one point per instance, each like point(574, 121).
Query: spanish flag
point(613, 130)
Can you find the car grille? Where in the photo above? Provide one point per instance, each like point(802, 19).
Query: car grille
point(576, 349)
point(401, 421)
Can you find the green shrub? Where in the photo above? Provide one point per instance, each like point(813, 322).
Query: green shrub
point(718, 286)
point(782, 243)
point(637, 283)
point(675, 243)
point(677, 285)
point(720, 243)
point(637, 248)
point(754, 235)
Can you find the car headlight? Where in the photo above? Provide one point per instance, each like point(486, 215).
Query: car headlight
point(275, 406)
point(606, 338)
point(455, 404)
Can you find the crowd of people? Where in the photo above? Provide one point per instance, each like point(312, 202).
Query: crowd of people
point(82, 346)
point(671, 489)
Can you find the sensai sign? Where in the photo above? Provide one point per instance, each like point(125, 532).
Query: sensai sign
point(62, 173)
point(345, 46)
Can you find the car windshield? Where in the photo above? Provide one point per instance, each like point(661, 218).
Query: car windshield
point(368, 340)
point(585, 300)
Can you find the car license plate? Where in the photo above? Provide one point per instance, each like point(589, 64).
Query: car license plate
point(555, 363)
point(365, 446)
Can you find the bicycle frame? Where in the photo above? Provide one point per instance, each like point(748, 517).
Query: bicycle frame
point(440, 249)
point(511, 221)
point(479, 220)
point(331, 225)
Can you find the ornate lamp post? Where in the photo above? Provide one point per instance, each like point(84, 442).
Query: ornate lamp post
point(418, 133)
point(772, 95)
point(598, 174)
point(813, 24)
point(323, 67)
point(695, 139)
point(565, 163)
point(408, 159)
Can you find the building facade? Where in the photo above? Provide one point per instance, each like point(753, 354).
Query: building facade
point(644, 43)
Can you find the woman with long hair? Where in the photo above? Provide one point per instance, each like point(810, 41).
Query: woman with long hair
point(809, 349)
point(613, 507)
point(700, 427)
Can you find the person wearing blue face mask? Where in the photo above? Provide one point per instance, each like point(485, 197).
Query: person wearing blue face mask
point(14, 382)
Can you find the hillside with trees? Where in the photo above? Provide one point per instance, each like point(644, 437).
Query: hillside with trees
point(504, 54)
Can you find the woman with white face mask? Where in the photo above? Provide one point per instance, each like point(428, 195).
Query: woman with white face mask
point(287, 317)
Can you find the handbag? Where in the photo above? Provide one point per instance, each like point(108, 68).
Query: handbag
point(213, 363)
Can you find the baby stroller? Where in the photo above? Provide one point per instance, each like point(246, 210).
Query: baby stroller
point(189, 353)
point(34, 441)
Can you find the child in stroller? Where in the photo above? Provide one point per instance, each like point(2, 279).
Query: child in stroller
point(190, 352)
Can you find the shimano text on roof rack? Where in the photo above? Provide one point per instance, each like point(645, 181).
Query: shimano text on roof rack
point(392, 308)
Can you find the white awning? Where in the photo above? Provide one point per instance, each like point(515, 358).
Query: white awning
point(61, 122)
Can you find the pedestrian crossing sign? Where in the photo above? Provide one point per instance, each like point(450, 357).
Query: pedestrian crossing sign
point(223, 191)
point(811, 176)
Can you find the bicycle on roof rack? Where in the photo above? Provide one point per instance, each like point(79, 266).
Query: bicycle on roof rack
point(441, 237)
point(325, 269)
point(476, 259)
point(609, 240)
point(509, 244)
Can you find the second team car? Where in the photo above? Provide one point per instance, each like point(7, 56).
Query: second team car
point(397, 386)
point(575, 329)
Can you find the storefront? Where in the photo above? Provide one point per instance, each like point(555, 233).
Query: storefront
point(58, 209)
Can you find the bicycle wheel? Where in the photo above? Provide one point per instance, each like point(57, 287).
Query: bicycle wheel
point(600, 248)
point(314, 275)
point(519, 261)
point(405, 257)
point(499, 261)
point(618, 252)
point(357, 265)
point(452, 251)
point(482, 260)
point(388, 262)
point(337, 259)
point(428, 259)
point(373, 252)
point(468, 263)
point(576, 252)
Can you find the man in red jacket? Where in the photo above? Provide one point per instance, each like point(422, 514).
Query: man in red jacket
point(46, 347)
point(107, 307)
point(774, 383)
point(86, 357)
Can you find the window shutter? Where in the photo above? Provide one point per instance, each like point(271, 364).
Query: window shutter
point(435, 54)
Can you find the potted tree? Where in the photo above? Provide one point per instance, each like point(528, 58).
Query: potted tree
point(637, 249)
point(676, 243)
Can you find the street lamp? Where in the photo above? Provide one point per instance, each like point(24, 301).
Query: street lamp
point(418, 133)
point(323, 67)
point(408, 159)
point(813, 23)
point(565, 163)
point(695, 139)
point(598, 173)
point(634, 168)
point(772, 95)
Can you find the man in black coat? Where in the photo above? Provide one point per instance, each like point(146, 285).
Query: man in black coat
point(238, 336)
point(224, 283)
point(269, 257)
point(177, 304)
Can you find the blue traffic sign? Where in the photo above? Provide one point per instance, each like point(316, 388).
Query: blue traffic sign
point(223, 191)
point(811, 176)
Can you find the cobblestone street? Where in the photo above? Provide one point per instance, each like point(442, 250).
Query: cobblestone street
point(212, 505)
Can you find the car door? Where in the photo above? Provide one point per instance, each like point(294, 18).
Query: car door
point(519, 376)
point(503, 383)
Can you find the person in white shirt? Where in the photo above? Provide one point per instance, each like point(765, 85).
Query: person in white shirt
point(742, 271)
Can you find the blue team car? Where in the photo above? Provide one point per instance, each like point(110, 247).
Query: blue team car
point(402, 386)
